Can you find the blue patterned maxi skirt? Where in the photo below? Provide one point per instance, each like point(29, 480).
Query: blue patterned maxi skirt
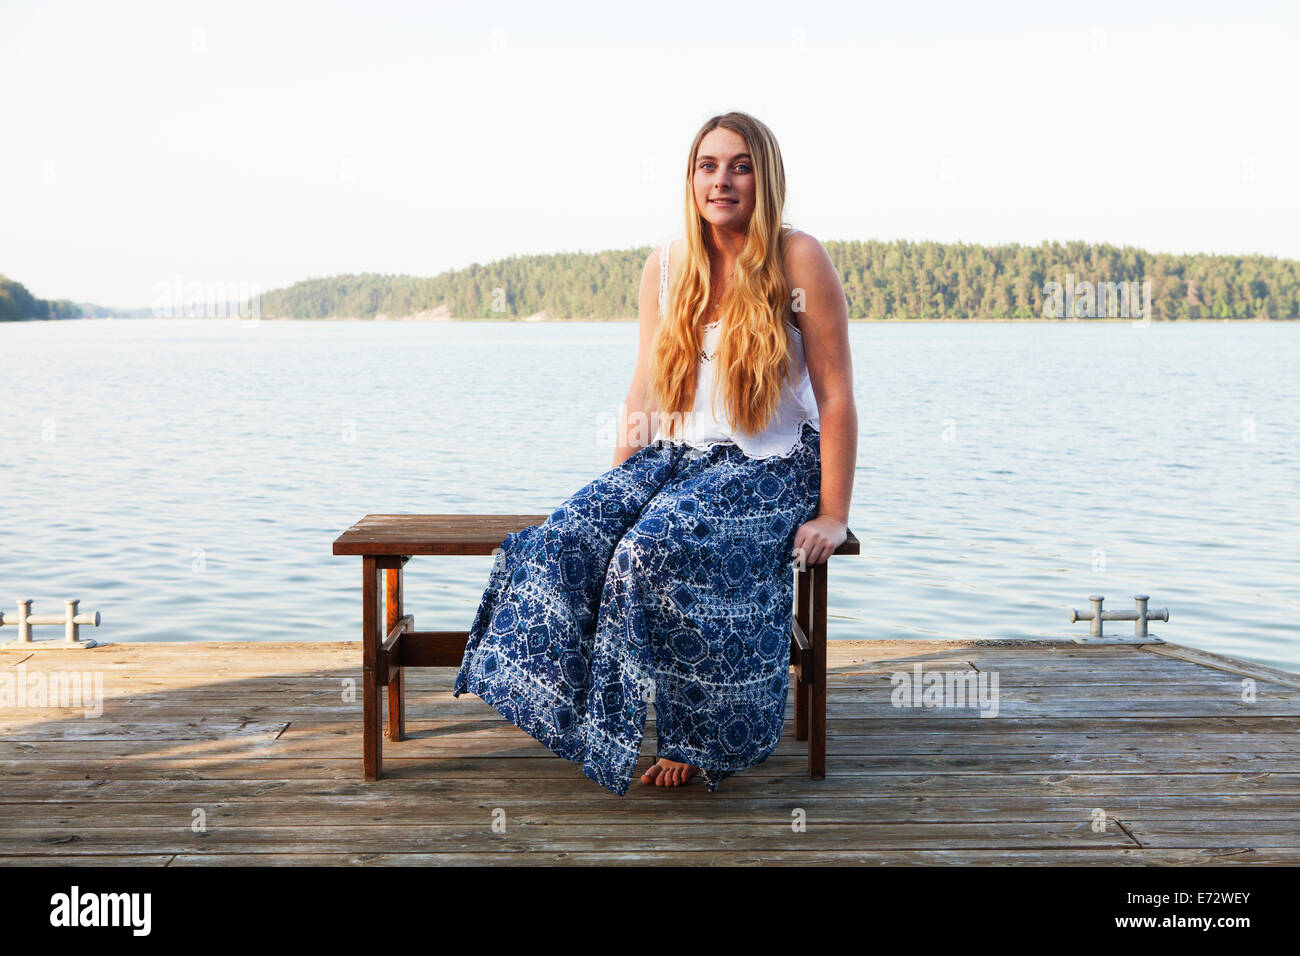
point(666, 580)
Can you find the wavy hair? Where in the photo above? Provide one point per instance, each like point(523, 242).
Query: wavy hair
point(754, 348)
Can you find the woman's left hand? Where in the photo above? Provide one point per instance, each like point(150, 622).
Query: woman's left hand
point(818, 539)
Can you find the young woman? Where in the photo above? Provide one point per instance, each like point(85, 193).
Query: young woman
point(668, 579)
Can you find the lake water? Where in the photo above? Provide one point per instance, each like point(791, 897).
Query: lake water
point(186, 478)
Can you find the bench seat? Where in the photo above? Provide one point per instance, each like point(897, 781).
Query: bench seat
point(390, 642)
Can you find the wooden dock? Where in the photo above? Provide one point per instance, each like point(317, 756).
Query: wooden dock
point(250, 753)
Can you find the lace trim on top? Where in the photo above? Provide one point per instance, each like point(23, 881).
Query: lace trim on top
point(705, 446)
point(663, 277)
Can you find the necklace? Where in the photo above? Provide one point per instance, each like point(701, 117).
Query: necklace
point(715, 300)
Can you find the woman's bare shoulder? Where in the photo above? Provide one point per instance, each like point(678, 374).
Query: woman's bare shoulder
point(676, 249)
point(800, 247)
point(652, 279)
point(806, 261)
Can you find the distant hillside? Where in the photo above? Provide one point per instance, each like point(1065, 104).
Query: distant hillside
point(90, 310)
point(895, 280)
point(17, 303)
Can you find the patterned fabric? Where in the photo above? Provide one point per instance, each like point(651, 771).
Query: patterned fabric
point(668, 579)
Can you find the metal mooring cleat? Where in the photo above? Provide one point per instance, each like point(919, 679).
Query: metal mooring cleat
point(1140, 616)
point(70, 620)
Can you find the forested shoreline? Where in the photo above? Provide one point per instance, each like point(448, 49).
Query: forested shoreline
point(882, 280)
point(16, 303)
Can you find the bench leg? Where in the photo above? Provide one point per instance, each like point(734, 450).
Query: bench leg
point(817, 689)
point(396, 693)
point(802, 606)
point(372, 748)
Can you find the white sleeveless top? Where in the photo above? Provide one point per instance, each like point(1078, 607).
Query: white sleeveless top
point(703, 428)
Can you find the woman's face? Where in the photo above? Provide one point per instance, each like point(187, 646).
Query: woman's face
point(724, 180)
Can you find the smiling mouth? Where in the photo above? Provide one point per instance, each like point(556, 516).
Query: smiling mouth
point(723, 202)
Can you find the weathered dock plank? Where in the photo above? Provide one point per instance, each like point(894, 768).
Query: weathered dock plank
point(1187, 758)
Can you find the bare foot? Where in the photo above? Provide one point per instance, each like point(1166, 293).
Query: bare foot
point(669, 773)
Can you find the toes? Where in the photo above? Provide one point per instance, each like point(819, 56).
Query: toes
point(669, 773)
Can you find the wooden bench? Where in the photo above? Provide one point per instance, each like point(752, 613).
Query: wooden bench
point(391, 643)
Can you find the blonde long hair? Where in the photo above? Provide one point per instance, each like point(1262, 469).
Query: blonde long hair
point(754, 349)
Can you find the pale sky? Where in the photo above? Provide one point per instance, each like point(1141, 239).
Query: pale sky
point(263, 143)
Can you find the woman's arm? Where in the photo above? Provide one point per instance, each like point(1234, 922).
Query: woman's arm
point(824, 321)
point(637, 417)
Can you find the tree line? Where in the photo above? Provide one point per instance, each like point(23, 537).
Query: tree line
point(882, 280)
point(17, 303)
